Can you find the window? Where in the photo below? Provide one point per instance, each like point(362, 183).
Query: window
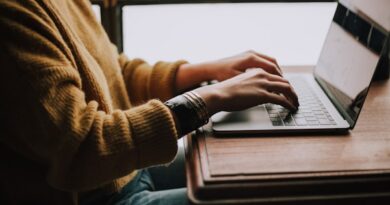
point(112, 18)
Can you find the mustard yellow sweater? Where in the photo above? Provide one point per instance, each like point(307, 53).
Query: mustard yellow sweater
point(68, 124)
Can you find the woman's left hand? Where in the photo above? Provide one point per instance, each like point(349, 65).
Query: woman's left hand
point(189, 75)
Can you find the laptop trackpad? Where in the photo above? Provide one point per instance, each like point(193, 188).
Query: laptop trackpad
point(251, 119)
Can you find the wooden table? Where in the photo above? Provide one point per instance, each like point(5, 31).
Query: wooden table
point(353, 168)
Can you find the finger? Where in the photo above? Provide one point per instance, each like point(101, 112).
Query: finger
point(273, 60)
point(285, 89)
point(271, 77)
point(277, 78)
point(269, 58)
point(279, 100)
point(265, 65)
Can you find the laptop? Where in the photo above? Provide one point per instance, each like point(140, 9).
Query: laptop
point(330, 98)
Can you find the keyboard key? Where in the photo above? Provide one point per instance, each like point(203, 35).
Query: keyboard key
point(283, 115)
point(323, 116)
point(305, 109)
point(313, 122)
point(299, 115)
point(273, 111)
point(318, 112)
point(289, 121)
point(325, 122)
point(300, 121)
point(277, 123)
point(310, 118)
point(308, 114)
point(284, 112)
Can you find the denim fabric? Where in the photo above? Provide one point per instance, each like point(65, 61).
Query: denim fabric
point(162, 185)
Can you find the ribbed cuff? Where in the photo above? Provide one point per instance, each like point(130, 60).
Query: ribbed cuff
point(163, 81)
point(154, 134)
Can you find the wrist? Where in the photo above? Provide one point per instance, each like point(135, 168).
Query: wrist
point(191, 75)
point(189, 112)
point(199, 71)
point(205, 71)
point(211, 97)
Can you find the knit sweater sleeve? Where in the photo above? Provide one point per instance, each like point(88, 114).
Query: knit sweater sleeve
point(81, 146)
point(158, 80)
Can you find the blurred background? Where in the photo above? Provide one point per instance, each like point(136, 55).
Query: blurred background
point(291, 31)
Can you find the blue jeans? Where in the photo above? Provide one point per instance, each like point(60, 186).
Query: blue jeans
point(161, 185)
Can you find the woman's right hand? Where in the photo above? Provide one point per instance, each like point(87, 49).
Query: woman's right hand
point(248, 89)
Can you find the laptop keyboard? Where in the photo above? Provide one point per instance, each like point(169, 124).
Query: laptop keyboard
point(311, 111)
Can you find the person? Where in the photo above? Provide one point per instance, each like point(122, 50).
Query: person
point(83, 124)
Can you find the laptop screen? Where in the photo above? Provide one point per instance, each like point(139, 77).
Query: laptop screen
point(346, 67)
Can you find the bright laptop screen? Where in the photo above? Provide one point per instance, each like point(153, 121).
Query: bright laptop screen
point(345, 68)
